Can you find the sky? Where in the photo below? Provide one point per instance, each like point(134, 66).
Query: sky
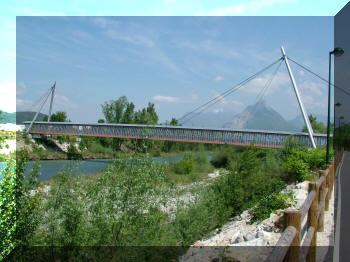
point(177, 63)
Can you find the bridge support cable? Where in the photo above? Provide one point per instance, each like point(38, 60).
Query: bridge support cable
point(221, 96)
point(302, 108)
point(317, 75)
point(41, 106)
point(266, 87)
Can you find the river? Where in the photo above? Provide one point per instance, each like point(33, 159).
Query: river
point(49, 168)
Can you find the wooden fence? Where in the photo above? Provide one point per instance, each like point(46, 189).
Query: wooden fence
point(289, 246)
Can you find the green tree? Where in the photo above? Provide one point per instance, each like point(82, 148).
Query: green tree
point(115, 109)
point(174, 122)
point(317, 127)
point(128, 116)
point(100, 121)
point(19, 216)
point(147, 115)
point(59, 116)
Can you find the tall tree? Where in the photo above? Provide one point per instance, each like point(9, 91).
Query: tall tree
point(59, 116)
point(317, 127)
point(174, 122)
point(114, 110)
point(147, 115)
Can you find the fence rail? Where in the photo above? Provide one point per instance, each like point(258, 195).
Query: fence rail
point(260, 138)
point(289, 246)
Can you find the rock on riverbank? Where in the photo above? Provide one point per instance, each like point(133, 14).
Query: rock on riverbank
point(253, 242)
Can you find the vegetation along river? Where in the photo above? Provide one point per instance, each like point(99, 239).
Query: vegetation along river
point(49, 168)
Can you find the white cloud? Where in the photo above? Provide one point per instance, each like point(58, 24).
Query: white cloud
point(257, 84)
point(312, 87)
point(245, 7)
point(23, 104)
point(217, 96)
point(173, 99)
point(218, 110)
point(62, 102)
point(166, 99)
point(8, 97)
point(312, 104)
point(219, 78)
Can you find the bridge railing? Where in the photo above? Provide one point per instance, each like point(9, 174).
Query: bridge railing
point(260, 138)
point(289, 246)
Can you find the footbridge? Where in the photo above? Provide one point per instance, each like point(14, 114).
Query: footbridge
point(260, 138)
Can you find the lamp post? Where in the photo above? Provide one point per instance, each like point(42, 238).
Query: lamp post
point(336, 52)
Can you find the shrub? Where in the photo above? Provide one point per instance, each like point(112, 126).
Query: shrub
point(222, 158)
point(72, 153)
point(316, 158)
point(270, 204)
point(26, 140)
point(185, 166)
point(296, 167)
point(201, 159)
point(156, 152)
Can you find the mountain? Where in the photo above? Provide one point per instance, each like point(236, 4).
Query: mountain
point(260, 117)
point(7, 118)
point(22, 116)
point(299, 123)
point(210, 119)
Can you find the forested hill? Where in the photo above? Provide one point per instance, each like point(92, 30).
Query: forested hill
point(7, 118)
point(22, 116)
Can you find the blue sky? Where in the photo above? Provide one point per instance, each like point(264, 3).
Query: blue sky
point(174, 62)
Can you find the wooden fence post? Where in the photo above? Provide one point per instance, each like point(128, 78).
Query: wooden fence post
point(312, 222)
point(293, 218)
point(328, 184)
point(322, 201)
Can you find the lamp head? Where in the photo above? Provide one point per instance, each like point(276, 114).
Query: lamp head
point(338, 51)
point(338, 104)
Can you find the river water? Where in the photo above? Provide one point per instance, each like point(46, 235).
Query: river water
point(49, 168)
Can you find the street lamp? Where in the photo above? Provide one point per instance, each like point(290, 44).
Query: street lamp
point(336, 52)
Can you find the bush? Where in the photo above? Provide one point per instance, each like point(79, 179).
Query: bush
point(72, 153)
point(185, 166)
point(222, 159)
point(117, 208)
point(317, 158)
point(270, 204)
point(297, 167)
point(156, 152)
point(201, 159)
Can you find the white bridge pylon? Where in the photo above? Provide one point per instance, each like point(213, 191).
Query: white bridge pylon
point(302, 108)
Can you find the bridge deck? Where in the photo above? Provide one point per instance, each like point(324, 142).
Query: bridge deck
point(260, 138)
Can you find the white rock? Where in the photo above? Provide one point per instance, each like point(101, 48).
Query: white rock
point(253, 242)
point(260, 234)
point(249, 236)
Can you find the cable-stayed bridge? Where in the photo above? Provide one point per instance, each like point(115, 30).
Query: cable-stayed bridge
point(269, 139)
point(260, 138)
